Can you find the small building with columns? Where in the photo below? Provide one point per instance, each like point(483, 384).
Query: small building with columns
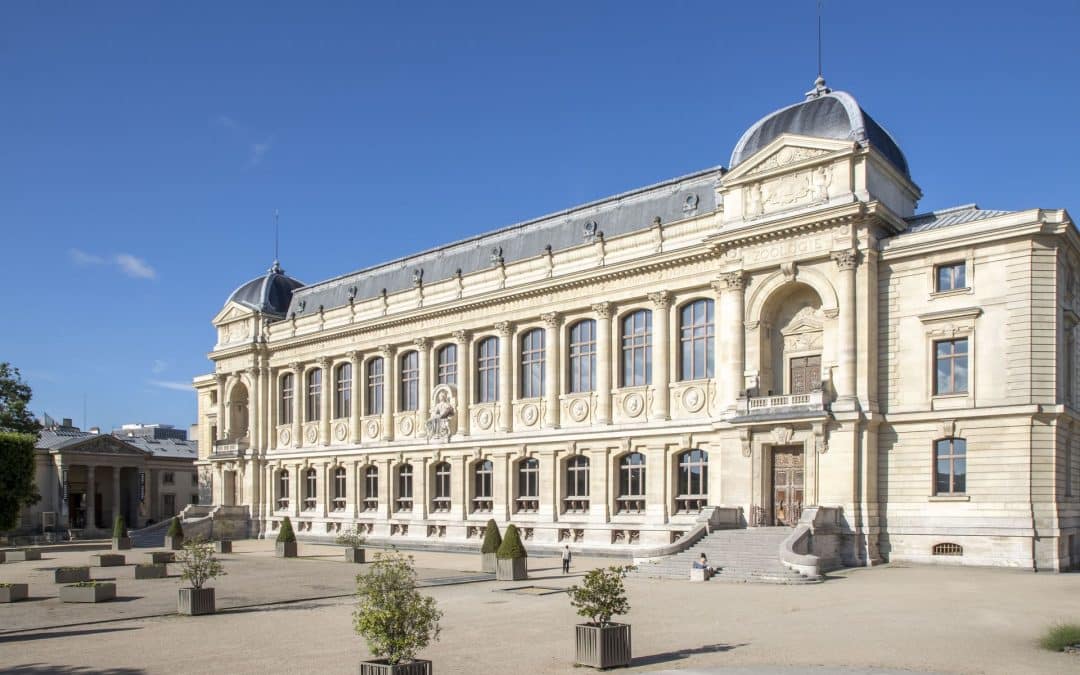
point(782, 333)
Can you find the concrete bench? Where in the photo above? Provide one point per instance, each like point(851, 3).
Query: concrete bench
point(699, 574)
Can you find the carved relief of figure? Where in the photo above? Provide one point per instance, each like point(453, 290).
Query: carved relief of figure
point(755, 206)
point(438, 425)
point(819, 184)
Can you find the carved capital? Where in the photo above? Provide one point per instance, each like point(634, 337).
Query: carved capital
point(354, 356)
point(603, 310)
point(221, 379)
point(386, 350)
point(462, 336)
point(552, 319)
point(295, 367)
point(733, 281)
point(662, 299)
point(324, 362)
point(421, 343)
point(504, 328)
point(846, 260)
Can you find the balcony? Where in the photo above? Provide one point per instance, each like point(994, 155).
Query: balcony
point(229, 448)
point(810, 404)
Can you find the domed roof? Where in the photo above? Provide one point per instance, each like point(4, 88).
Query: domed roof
point(824, 114)
point(269, 294)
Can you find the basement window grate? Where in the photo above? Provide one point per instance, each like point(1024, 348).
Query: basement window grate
point(948, 549)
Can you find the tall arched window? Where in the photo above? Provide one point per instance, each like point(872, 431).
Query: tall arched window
point(440, 503)
point(314, 395)
point(482, 487)
point(343, 391)
point(528, 498)
point(375, 386)
point(950, 466)
point(410, 381)
point(693, 492)
point(404, 487)
point(631, 484)
point(577, 485)
point(371, 488)
point(311, 482)
point(447, 364)
point(283, 489)
point(340, 488)
point(285, 412)
point(532, 364)
point(696, 340)
point(487, 369)
point(637, 349)
point(583, 356)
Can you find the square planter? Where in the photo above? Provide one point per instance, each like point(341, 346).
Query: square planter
point(99, 592)
point(121, 544)
point(108, 560)
point(174, 543)
point(699, 574)
point(487, 562)
point(3, 556)
point(14, 592)
point(285, 549)
point(511, 569)
point(160, 557)
point(381, 667)
point(23, 554)
point(150, 572)
point(223, 545)
point(602, 647)
point(195, 601)
point(354, 555)
point(71, 575)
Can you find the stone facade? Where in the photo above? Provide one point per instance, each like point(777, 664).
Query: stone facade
point(795, 333)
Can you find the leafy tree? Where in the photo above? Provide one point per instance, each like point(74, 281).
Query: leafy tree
point(392, 616)
point(601, 595)
point(492, 538)
point(198, 564)
point(15, 397)
point(16, 477)
point(175, 528)
point(511, 547)
point(119, 530)
point(286, 535)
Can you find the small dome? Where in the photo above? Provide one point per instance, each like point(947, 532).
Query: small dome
point(824, 114)
point(269, 294)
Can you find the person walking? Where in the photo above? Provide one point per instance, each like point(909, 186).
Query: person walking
point(566, 559)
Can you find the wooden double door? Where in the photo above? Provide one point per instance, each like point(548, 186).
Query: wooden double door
point(788, 473)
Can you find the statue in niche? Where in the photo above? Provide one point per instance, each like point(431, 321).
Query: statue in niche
point(819, 184)
point(439, 424)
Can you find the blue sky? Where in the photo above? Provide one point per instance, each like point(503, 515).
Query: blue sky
point(145, 145)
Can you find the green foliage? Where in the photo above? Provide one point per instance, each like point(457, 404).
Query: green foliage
point(1060, 636)
point(198, 564)
point(351, 538)
point(492, 538)
point(392, 616)
point(86, 584)
point(16, 477)
point(286, 535)
point(511, 547)
point(15, 398)
point(175, 528)
point(601, 595)
point(119, 528)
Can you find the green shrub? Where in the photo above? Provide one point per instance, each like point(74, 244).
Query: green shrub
point(119, 528)
point(286, 535)
point(601, 595)
point(198, 564)
point(351, 538)
point(511, 547)
point(17, 487)
point(1060, 636)
point(175, 528)
point(492, 538)
point(392, 616)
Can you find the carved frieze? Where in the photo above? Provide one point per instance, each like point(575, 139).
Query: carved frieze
point(784, 156)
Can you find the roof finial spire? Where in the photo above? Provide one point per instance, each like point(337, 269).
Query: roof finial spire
point(819, 84)
point(276, 267)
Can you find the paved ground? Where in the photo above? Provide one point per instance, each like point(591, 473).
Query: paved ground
point(882, 620)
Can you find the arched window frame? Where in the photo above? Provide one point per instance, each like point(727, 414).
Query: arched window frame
point(632, 475)
point(950, 466)
point(483, 472)
point(285, 401)
point(446, 364)
point(341, 486)
point(577, 485)
point(532, 363)
point(636, 347)
point(582, 356)
point(404, 500)
point(375, 371)
point(283, 490)
point(371, 488)
point(311, 489)
point(692, 490)
point(697, 339)
point(528, 486)
point(313, 381)
point(343, 391)
point(487, 370)
point(410, 381)
point(441, 501)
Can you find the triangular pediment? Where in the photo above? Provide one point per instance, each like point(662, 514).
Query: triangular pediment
point(103, 445)
point(232, 312)
point(786, 152)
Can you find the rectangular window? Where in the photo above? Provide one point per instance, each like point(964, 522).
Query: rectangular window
point(195, 480)
point(950, 277)
point(168, 478)
point(951, 367)
point(286, 412)
point(950, 466)
point(488, 371)
point(371, 489)
point(375, 387)
point(696, 340)
point(410, 381)
point(583, 356)
point(314, 395)
point(1070, 362)
point(343, 399)
point(532, 364)
point(637, 349)
point(168, 505)
point(448, 365)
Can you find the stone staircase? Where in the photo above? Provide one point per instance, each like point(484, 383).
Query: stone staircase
point(743, 556)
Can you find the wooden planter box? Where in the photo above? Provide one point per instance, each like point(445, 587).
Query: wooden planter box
point(150, 572)
point(354, 555)
point(381, 667)
point(604, 647)
point(100, 592)
point(284, 549)
point(14, 592)
point(121, 544)
point(195, 601)
point(160, 557)
point(223, 546)
point(511, 569)
point(24, 554)
point(174, 543)
point(71, 575)
point(108, 560)
point(487, 562)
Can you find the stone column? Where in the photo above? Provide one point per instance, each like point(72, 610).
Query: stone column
point(421, 500)
point(266, 404)
point(254, 420)
point(603, 311)
point(274, 400)
point(500, 490)
point(552, 368)
point(464, 377)
point(847, 336)
point(599, 506)
point(356, 411)
point(389, 389)
point(115, 495)
point(59, 505)
point(325, 398)
point(221, 431)
point(322, 489)
point(386, 489)
point(91, 497)
point(656, 484)
point(547, 494)
point(506, 371)
point(296, 501)
point(297, 404)
point(424, 384)
point(732, 343)
point(661, 353)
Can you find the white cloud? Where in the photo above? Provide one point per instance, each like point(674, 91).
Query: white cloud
point(258, 152)
point(80, 257)
point(134, 267)
point(159, 366)
point(175, 386)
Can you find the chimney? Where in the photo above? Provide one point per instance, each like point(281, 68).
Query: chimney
point(67, 422)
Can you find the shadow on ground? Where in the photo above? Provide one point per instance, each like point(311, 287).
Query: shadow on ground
point(22, 637)
point(680, 654)
point(43, 668)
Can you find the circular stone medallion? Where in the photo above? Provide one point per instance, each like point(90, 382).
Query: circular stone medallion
point(341, 431)
point(407, 426)
point(529, 414)
point(483, 419)
point(311, 435)
point(373, 429)
point(693, 399)
point(284, 437)
point(579, 410)
point(633, 405)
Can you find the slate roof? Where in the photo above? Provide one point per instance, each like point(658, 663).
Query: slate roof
point(166, 447)
point(957, 215)
point(269, 294)
point(58, 439)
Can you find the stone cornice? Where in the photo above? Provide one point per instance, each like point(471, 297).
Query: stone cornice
point(782, 228)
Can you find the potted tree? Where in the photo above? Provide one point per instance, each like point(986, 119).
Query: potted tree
point(353, 541)
point(174, 540)
point(602, 643)
point(492, 540)
point(198, 565)
point(394, 618)
point(13, 592)
point(511, 562)
point(286, 540)
point(120, 539)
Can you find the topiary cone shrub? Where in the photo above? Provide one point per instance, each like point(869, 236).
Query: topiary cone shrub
point(492, 541)
point(174, 540)
point(511, 559)
point(393, 617)
point(120, 539)
point(286, 540)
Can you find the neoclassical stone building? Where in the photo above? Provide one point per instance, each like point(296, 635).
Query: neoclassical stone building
point(781, 333)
